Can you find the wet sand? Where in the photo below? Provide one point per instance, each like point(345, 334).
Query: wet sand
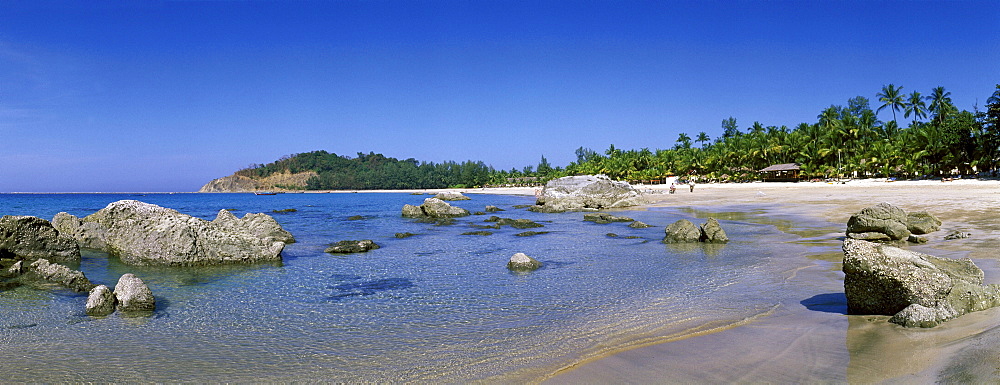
point(809, 338)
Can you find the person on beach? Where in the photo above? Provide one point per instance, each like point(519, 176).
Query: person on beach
point(673, 188)
point(691, 184)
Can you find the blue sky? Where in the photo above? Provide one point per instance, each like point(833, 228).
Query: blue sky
point(167, 95)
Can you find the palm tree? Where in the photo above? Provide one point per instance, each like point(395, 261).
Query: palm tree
point(683, 141)
point(891, 97)
point(915, 105)
point(940, 103)
point(702, 138)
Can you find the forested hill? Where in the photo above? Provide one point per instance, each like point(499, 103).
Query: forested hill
point(321, 170)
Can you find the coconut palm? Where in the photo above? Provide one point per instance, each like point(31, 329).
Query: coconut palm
point(891, 97)
point(702, 138)
point(940, 103)
point(915, 105)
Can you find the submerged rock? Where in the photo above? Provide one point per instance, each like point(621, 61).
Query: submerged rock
point(957, 235)
point(639, 225)
point(133, 295)
point(101, 301)
point(586, 192)
point(484, 233)
point(882, 218)
point(605, 218)
point(434, 208)
point(61, 275)
point(530, 233)
point(146, 234)
point(922, 222)
point(918, 290)
point(493, 209)
point(344, 247)
point(404, 235)
point(30, 238)
point(522, 262)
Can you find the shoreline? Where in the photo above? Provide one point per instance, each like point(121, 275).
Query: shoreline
point(804, 341)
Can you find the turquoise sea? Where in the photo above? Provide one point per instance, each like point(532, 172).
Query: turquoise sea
point(435, 307)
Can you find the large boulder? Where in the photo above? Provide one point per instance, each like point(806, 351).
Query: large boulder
point(434, 208)
point(133, 294)
point(711, 232)
point(918, 290)
point(451, 196)
point(882, 218)
point(586, 192)
point(146, 234)
point(682, 231)
point(31, 238)
point(922, 222)
point(87, 234)
point(522, 262)
point(42, 269)
point(101, 301)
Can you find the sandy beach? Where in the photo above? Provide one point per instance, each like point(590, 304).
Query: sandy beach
point(809, 338)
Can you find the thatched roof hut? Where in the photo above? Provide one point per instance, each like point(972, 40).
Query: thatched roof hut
point(788, 172)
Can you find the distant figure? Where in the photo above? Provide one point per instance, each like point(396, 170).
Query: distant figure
point(691, 184)
point(673, 188)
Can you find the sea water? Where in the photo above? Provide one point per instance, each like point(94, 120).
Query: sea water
point(435, 307)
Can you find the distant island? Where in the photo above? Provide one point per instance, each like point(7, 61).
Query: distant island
point(846, 141)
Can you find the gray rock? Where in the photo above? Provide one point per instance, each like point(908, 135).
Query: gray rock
point(882, 279)
point(587, 191)
point(483, 233)
point(451, 196)
point(58, 274)
point(404, 235)
point(605, 218)
point(31, 238)
point(87, 234)
point(522, 262)
point(882, 218)
point(957, 235)
point(146, 234)
point(434, 208)
point(344, 247)
point(101, 301)
point(682, 231)
point(711, 232)
point(922, 222)
point(530, 233)
point(493, 209)
point(133, 295)
point(913, 238)
point(639, 225)
point(872, 236)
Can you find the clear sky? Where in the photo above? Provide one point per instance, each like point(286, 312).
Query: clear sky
point(166, 95)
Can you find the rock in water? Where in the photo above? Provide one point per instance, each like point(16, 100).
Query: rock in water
point(882, 218)
point(101, 301)
point(133, 294)
point(493, 209)
point(682, 231)
point(916, 289)
point(522, 262)
point(587, 191)
point(434, 208)
point(87, 234)
point(345, 247)
point(146, 234)
point(922, 222)
point(59, 274)
point(31, 238)
point(605, 218)
point(451, 196)
point(639, 225)
point(711, 232)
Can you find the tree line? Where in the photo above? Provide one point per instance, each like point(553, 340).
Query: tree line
point(844, 141)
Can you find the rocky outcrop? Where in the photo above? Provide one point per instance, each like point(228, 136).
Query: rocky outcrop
point(273, 182)
point(87, 234)
point(31, 238)
point(515, 223)
point(586, 192)
point(43, 270)
point(711, 232)
point(133, 295)
point(522, 262)
point(146, 234)
point(345, 247)
point(434, 208)
point(101, 301)
point(922, 222)
point(451, 196)
point(605, 218)
point(683, 231)
point(918, 290)
point(882, 218)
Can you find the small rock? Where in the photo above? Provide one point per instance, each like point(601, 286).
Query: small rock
point(957, 235)
point(881, 218)
point(133, 294)
point(916, 239)
point(344, 247)
point(639, 225)
point(101, 301)
point(711, 232)
point(282, 211)
point(451, 196)
point(922, 222)
point(404, 235)
point(870, 236)
point(478, 233)
point(682, 231)
point(605, 218)
point(59, 274)
point(493, 209)
point(355, 218)
point(522, 262)
point(611, 235)
point(530, 233)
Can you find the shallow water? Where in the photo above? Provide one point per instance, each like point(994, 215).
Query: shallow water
point(438, 306)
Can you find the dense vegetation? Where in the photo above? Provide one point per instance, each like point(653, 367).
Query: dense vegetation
point(845, 141)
